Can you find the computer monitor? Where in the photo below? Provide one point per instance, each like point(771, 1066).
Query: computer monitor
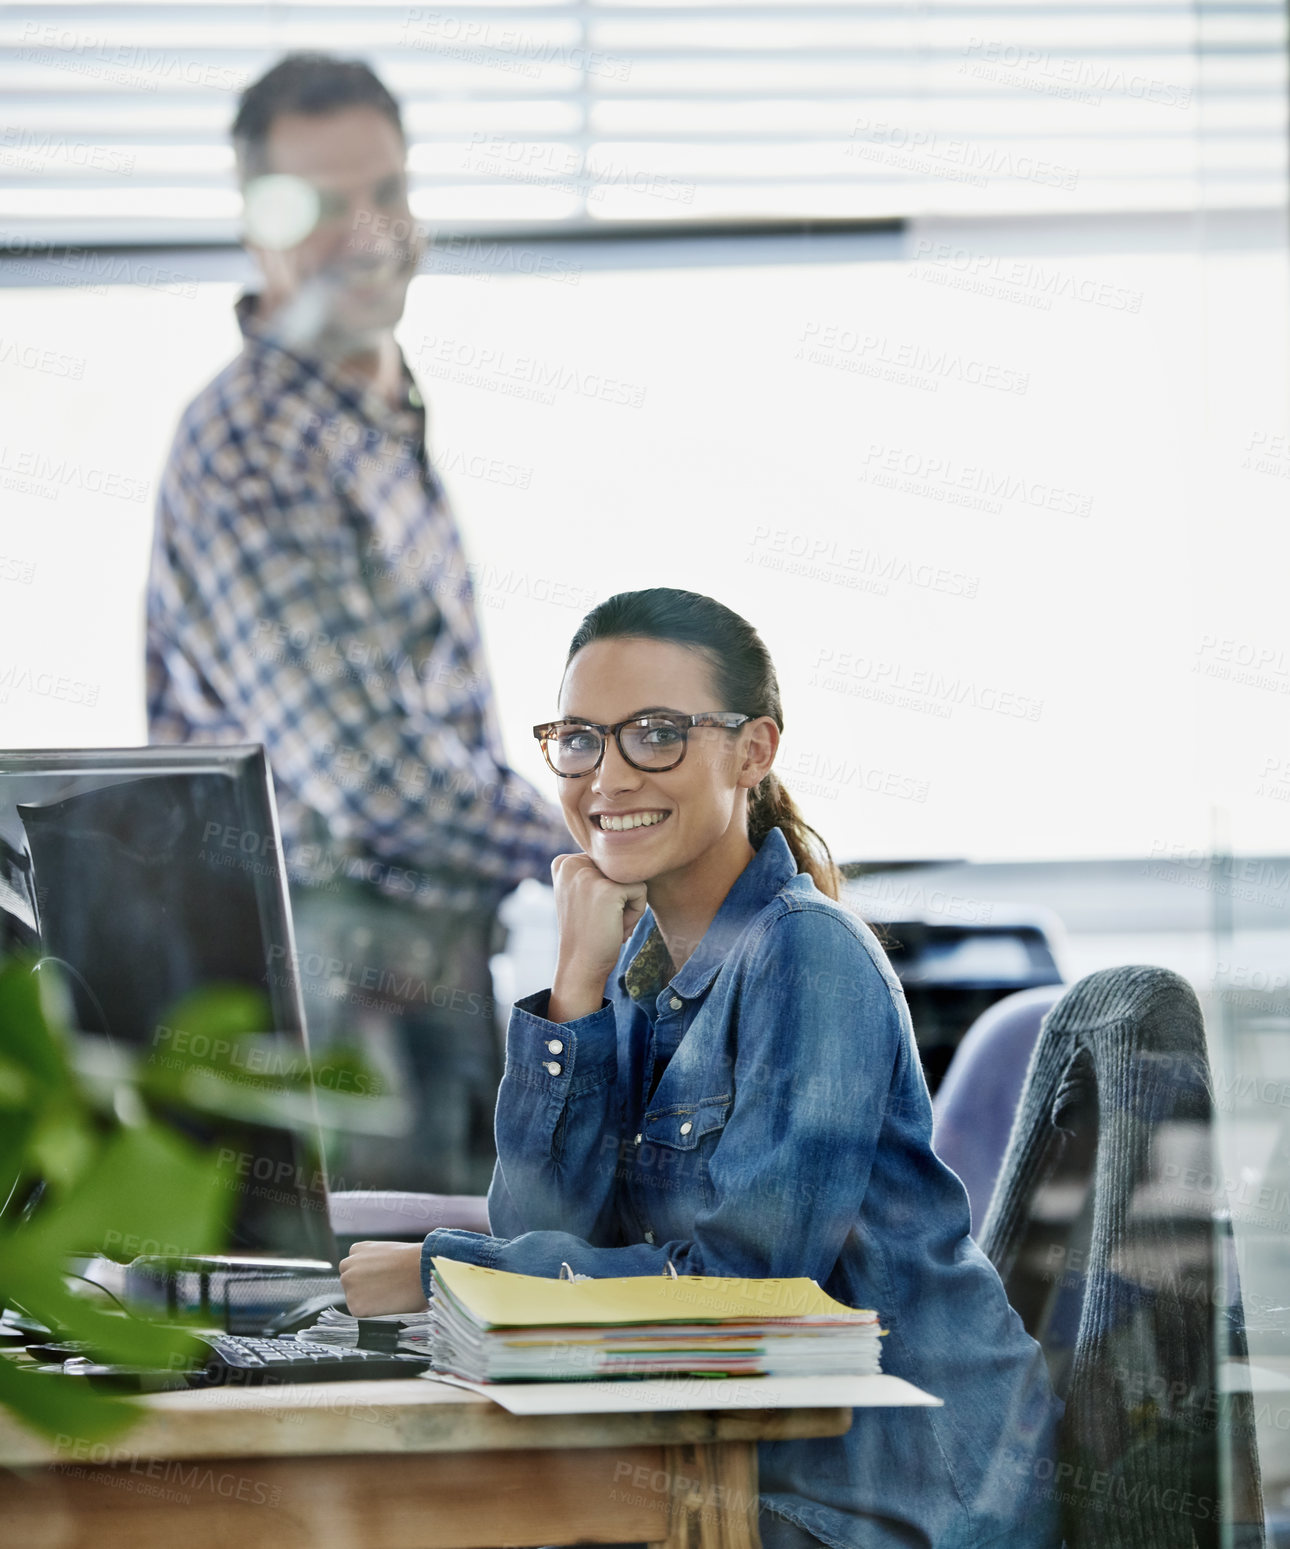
point(147, 874)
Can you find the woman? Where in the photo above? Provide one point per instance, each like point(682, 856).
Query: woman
point(748, 1101)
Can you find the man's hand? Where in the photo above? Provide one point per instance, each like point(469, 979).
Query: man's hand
point(382, 1277)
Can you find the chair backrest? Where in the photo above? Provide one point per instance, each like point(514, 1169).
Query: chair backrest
point(1110, 1252)
point(974, 1106)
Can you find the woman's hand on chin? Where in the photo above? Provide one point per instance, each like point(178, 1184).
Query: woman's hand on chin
point(595, 916)
point(380, 1277)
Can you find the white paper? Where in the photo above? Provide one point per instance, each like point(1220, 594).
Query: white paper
point(635, 1397)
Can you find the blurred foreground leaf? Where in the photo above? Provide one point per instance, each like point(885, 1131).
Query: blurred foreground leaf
point(91, 1164)
point(146, 1186)
point(63, 1406)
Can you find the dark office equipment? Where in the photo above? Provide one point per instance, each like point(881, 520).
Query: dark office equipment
point(951, 973)
point(17, 901)
point(241, 1295)
point(144, 875)
point(138, 901)
point(291, 1359)
point(226, 1359)
point(1119, 1263)
point(50, 1349)
point(305, 1314)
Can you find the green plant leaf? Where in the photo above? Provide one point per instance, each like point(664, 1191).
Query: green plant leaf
point(15, 1132)
point(41, 1291)
point(148, 1191)
point(217, 1013)
point(16, 1085)
point(63, 1406)
point(29, 1038)
point(60, 1147)
point(123, 1184)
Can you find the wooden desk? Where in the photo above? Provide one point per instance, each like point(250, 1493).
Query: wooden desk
point(392, 1465)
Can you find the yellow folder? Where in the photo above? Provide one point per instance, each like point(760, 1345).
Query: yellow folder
point(496, 1298)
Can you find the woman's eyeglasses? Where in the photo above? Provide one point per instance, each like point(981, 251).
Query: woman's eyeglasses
point(648, 742)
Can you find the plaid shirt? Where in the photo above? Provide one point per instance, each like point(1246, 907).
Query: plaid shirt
point(308, 591)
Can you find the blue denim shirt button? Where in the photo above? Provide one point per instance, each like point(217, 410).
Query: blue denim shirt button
point(649, 1236)
point(553, 1067)
point(675, 1003)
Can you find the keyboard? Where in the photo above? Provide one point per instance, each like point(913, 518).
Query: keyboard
point(248, 1360)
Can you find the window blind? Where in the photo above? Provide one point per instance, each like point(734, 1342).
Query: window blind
point(563, 114)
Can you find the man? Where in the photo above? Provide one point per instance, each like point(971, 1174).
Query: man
point(308, 591)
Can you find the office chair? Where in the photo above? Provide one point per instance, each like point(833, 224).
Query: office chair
point(974, 1105)
point(1113, 1256)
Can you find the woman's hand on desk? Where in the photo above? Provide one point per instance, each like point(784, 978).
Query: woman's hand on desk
point(595, 916)
point(382, 1277)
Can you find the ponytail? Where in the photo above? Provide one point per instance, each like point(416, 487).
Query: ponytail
point(770, 806)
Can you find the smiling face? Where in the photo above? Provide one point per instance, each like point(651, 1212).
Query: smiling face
point(639, 826)
point(349, 269)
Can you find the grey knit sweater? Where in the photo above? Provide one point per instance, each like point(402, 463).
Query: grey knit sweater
point(1105, 1230)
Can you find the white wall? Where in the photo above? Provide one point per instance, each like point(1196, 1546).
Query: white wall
point(720, 423)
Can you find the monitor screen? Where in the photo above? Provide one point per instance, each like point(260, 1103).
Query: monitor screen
point(147, 874)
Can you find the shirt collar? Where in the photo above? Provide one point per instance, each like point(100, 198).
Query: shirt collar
point(770, 869)
point(649, 971)
point(349, 393)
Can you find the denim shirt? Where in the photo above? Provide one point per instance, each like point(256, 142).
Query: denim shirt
point(789, 1134)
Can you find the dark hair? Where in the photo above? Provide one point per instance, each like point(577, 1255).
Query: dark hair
point(745, 681)
point(304, 83)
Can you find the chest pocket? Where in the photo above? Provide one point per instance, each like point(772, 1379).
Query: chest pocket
point(681, 1128)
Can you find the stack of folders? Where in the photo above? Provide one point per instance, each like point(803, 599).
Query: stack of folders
point(487, 1325)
